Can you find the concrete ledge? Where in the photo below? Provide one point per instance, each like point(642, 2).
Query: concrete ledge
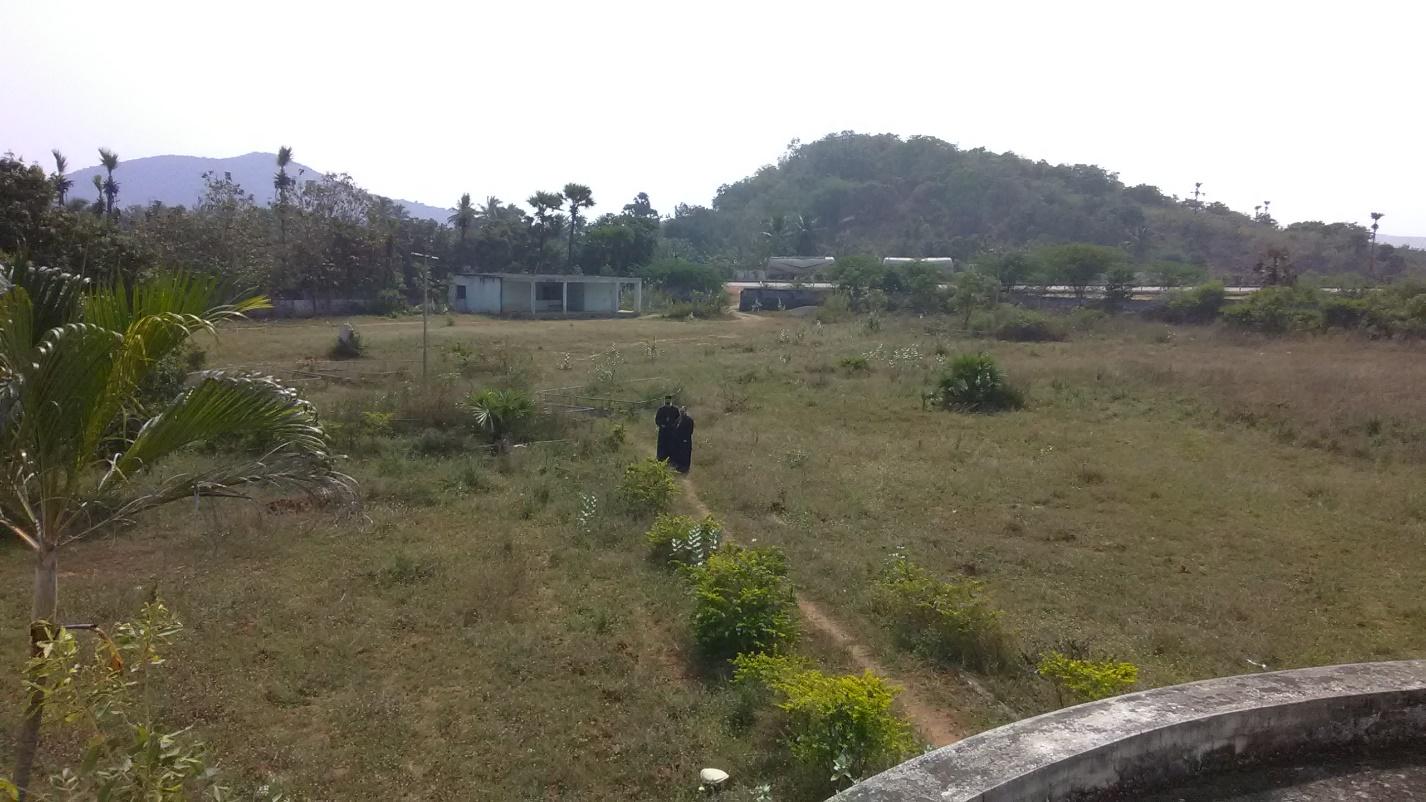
point(1166, 734)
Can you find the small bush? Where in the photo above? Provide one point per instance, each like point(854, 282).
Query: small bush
point(1087, 680)
point(974, 383)
point(835, 308)
point(404, 570)
point(700, 305)
point(502, 414)
point(349, 346)
point(855, 364)
point(1201, 304)
point(1029, 326)
point(952, 622)
point(681, 540)
point(648, 486)
point(743, 603)
point(439, 443)
point(1279, 310)
point(840, 726)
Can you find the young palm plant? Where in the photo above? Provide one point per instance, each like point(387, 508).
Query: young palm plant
point(500, 413)
point(79, 453)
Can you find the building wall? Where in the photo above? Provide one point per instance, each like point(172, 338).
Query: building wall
point(601, 297)
point(482, 294)
point(515, 298)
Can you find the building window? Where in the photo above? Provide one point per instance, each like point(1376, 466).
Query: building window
point(547, 291)
point(460, 292)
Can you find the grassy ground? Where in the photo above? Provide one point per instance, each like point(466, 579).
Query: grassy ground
point(1180, 498)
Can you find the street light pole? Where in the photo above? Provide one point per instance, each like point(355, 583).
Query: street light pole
point(425, 310)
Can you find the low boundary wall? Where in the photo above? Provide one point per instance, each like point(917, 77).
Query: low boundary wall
point(1164, 735)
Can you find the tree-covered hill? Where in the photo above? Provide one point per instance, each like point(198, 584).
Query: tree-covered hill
point(924, 197)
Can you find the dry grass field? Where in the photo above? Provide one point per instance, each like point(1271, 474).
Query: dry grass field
point(1194, 502)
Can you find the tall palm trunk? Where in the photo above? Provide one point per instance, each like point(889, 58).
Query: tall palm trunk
point(573, 226)
point(42, 618)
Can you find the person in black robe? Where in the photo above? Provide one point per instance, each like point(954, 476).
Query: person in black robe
point(667, 420)
point(682, 458)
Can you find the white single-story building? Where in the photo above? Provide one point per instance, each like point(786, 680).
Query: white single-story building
point(534, 294)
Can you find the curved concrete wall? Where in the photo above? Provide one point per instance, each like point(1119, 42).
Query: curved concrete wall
point(1162, 735)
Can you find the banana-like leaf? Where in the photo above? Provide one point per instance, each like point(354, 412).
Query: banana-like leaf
point(219, 405)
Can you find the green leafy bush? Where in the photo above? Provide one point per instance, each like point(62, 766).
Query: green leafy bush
point(1201, 304)
point(1015, 324)
point(500, 413)
point(840, 726)
point(1087, 680)
point(99, 690)
point(743, 603)
point(681, 540)
point(835, 308)
point(857, 363)
point(1279, 310)
point(974, 383)
point(700, 305)
point(952, 622)
point(648, 486)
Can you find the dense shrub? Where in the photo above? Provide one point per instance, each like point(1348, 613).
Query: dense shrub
point(743, 603)
point(1201, 304)
point(842, 727)
point(1027, 326)
point(974, 383)
point(500, 413)
point(1087, 680)
point(681, 540)
point(835, 308)
point(648, 486)
point(952, 622)
point(682, 280)
point(440, 443)
point(703, 306)
point(1278, 310)
point(1119, 284)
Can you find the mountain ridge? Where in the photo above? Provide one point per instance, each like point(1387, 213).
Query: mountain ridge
point(176, 179)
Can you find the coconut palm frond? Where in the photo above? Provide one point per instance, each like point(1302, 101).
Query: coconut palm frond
point(220, 405)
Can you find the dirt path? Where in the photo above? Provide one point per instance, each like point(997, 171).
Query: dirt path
point(936, 726)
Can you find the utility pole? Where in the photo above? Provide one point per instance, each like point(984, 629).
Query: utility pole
point(1371, 271)
point(425, 310)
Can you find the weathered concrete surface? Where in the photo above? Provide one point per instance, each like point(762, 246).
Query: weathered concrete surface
point(1156, 737)
point(1399, 777)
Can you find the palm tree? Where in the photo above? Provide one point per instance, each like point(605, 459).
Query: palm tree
point(776, 233)
point(806, 230)
point(491, 211)
point(73, 460)
point(282, 182)
point(98, 207)
point(110, 160)
point(500, 413)
point(579, 197)
point(62, 183)
point(543, 203)
point(464, 215)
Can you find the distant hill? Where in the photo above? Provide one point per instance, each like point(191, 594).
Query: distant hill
point(922, 197)
point(178, 180)
point(1403, 242)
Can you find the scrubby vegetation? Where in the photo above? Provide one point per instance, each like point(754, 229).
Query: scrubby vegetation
point(648, 486)
point(841, 727)
point(952, 622)
point(743, 603)
point(1087, 680)
point(975, 383)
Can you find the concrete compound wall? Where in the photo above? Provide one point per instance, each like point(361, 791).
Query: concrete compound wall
point(1164, 735)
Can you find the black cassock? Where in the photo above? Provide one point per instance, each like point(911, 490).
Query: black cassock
point(682, 457)
point(666, 419)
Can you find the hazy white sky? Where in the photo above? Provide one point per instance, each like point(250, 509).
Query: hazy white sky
point(1315, 106)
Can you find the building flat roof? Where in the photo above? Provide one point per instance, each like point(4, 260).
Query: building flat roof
point(567, 277)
